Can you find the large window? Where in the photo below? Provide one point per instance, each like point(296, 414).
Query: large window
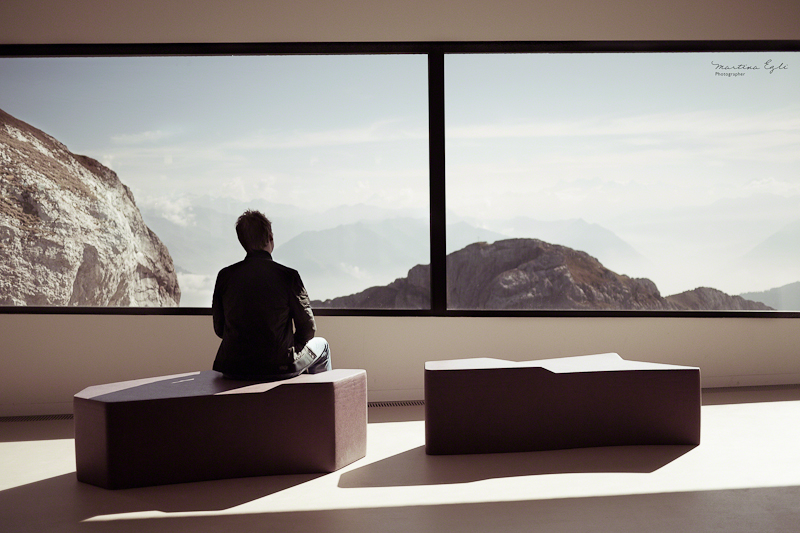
point(679, 168)
point(406, 178)
point(334, 149)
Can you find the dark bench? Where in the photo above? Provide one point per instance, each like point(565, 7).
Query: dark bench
point(201, 426)
point(491, 405)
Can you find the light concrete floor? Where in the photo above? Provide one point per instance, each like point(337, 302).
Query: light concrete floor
point(744, 477)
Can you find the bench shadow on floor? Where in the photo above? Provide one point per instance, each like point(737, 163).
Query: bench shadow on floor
point(415, 467)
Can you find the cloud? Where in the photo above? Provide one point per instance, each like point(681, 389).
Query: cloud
point(770, 186)
point(196, 289)
point(145, 137)
point(353, 271)
point(196, 282)
point(245, 187)
point(177, 210)
point(739, 135)
point(381, 131)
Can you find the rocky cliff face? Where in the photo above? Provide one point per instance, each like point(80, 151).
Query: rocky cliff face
point(532, 274)
point(70, 231)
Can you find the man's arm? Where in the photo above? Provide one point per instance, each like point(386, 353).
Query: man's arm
point(304, 325)
point(216, 308)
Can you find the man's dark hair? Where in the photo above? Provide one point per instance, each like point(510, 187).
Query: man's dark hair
point(254, 230)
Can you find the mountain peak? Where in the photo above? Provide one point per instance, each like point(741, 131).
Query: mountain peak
point(516, 274)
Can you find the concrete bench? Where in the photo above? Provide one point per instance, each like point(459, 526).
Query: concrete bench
point(201, 426)
point(491, 405)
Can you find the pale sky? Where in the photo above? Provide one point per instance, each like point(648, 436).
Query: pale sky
point(583, 135)
point(314, 130)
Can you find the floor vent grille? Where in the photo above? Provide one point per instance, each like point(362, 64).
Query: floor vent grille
point(409, 403)
point(34, 418)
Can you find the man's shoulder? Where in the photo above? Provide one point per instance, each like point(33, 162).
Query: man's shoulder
point(284, 268)
point(270, 265)
point(290, 276)
point(229, 269)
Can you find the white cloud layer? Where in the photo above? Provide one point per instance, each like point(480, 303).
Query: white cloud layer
point(144, 137)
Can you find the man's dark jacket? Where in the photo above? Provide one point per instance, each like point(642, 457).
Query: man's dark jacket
point(254, 305)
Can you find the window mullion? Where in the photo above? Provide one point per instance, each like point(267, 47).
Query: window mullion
point(437, 183)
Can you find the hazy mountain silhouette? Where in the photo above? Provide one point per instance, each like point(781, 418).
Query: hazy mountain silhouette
point(719, 241)
point(786, 298)
point(204, 243)
point(333, 256)
point(461, 234)
point(780, 248)
point(773, 263)
point(733, 225)
point(351, 257)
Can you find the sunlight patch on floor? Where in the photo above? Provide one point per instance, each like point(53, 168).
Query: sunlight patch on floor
point(30, 461)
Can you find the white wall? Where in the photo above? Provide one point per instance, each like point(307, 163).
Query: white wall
point(48, 358)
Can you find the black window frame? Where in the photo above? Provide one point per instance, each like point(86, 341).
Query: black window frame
point(435, 52)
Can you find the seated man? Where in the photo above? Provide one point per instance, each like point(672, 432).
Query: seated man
point(255, 305)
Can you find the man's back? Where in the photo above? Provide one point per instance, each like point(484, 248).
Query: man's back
point(255, 304)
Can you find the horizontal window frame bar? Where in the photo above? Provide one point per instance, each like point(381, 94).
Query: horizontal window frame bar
point(390, 48)
point(450, 313)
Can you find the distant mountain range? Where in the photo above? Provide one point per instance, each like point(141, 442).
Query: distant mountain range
point(203, 244)
point(336, 260)
point(533, 274)
point(345, 258)
point(777, 258)
point(743, 244)
point(784, 244)
point(353, 255)
point(350, 257)
point(786, 298)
